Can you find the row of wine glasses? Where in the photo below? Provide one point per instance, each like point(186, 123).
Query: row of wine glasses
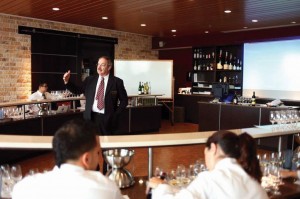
point(181, 176)
point(286, 119)
point(13, 112)
point(10, 176)
point(62, 94)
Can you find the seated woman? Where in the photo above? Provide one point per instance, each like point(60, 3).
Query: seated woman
point(234, 171)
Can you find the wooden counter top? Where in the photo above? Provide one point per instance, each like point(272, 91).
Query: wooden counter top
point(150, 140)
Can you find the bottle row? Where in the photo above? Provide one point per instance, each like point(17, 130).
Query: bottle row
point(228, 61)
point(201, 54)
point(234, 79)
point(225, 60)
point(144, 88)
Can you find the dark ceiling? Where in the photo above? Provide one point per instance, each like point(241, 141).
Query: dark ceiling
point(188, 17)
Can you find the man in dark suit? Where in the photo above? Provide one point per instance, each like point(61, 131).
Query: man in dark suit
point(102, 93)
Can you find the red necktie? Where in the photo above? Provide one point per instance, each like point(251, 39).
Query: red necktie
point(100, 95)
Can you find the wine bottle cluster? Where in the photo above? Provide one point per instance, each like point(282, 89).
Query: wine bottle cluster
point(144, 88)
point(203, 59)
point(231, 79)
point(228, 61)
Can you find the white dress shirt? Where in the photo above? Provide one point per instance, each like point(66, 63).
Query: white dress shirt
point(39, 96)
point(67, 182)
point(95, 108)
point(227, 180)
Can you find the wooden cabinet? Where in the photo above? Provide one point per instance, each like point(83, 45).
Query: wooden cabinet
point(217, 64)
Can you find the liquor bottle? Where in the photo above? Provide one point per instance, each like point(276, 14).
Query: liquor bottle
point(235, 99)
point(219, 65)
point(195, 53)
point(200, 55)
point(230, 62)
point(238, 64)
point(140, 89)
point(199, 66)
point(226, 63)
point(195, 66)
point(253, 99)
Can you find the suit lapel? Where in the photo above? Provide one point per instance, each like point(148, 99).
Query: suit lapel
point(94, 85)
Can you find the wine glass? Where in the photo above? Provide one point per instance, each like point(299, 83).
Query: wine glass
point(272, 118)
point(275, 171)
point(6, 181)
point(16, 173)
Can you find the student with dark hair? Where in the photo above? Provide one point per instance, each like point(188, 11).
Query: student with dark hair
point(76, 148)
point(233, 172)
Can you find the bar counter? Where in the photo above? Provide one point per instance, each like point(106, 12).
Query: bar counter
point(137, 191)
point(145, 140)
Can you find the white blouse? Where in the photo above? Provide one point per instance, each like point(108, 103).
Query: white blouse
point(227, 180)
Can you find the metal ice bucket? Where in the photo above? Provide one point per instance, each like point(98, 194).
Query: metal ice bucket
point(43, 108)
point(117, 159)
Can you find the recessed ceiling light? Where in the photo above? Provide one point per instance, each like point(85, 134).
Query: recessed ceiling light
point(143, 24)
point(227, 11)
point(206, 32)
point(104, 18)
point(254, 20)
point(174, 35)
point(173, 30)
point(293, 22)
point(245, 27)
point(55, 9)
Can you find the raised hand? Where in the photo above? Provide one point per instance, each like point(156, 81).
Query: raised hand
point(66, 76)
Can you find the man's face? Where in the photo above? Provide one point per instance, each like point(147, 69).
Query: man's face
point(43, 88)
point(102, 67)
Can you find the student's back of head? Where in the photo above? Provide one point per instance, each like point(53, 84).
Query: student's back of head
point(241, 147)
point(73, 139)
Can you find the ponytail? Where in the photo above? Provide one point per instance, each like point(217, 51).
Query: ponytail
point(248, 159)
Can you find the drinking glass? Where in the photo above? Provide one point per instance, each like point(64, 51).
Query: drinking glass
point(6, 181)
point(16, 173)
point(272, 119)
point(275, 171)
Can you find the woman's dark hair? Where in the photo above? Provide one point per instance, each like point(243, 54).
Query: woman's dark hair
point(73, 139)
point(242, 148)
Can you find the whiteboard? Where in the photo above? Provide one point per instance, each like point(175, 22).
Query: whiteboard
point(158, 72)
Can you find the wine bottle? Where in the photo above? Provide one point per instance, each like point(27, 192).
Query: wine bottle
point(219, 65)
point(234, 64)
point(235, 99)
point(253, 99)
point(140, 89)
point(230, 62)
point(226, 63)
point(240, 68)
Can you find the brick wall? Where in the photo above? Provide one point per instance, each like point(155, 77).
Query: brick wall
point(15, 52)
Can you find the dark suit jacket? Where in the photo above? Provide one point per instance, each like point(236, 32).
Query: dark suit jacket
point(114, 91)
